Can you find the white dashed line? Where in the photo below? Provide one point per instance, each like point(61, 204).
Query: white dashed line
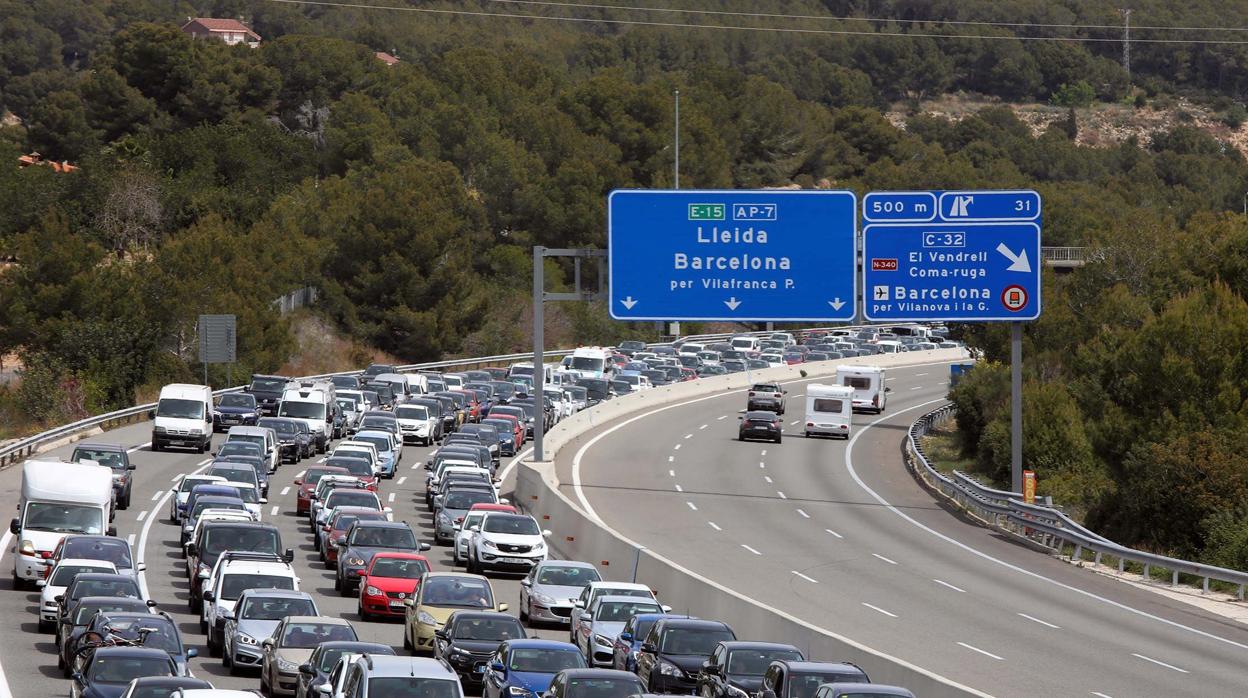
point(671, 473)
point(402, 479)
point(781, 494)
point(891, 562)
point(743, 545)
point(1160, 663)
point(878, 609)
point(804, 514)
point(704, 426)
point(721, 418)
point(762, 464)
point(692, 506)
point(274, 511)
point(763, 453)
point(950, 586)
point(676, 447)
point(415, 466)
point(158, 495)
point(322, 460)
point(175, 478)
point(833, 533)
point(391, 497)
point(140, 447)
point(767, 478)
point(1098, 694)
point(671, 459)
point(130, 540)
point(714, 525)
point(285, 491)
point(688, 436)
point(1041, 622)
point(679, 488)
point(809, 579)
point(917, 387)
point(794, 422)
point(300, 473)
point(142, 515)
point(986, 654)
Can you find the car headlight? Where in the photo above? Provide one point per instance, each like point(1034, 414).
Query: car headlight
point(459, 653)
point(286, 666)
point(443, 518)
point(669, 669)
point(247, 639)
point(353, 560)
point(486, 542)
point(539, 546)
point(736, 692)
point(602, 640)
point(372, 590)
point(158, 429)
point(518, 691)
point(28, 547)
point(544, 599)
point(196, 431)
point(426, 618)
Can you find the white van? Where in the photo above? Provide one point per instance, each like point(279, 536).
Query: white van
point(399, 385)
point(183, 417)
point(417, 384)
point(691, 349)
point(829, 410)
point(311, 407)
point(590, 362)
point(58, 499)
point(745, 343)
point(868, 382)
point(263, 437)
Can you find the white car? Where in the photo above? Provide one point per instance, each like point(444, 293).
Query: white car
point(359, 448)
point(593, 590)
point(417, 423)
point(349, 497)
point(182, 493)
point(773, 360)
point(235, 572)
point(58, 580)
point(464, 535)
point(511, 542)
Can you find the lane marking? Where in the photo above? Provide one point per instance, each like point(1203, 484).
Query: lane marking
point(676, 447)
point(158, 495)
point(692, 506)
point(919, 375)
point(763, 453)
point(762, 464)
point(767, 478)
point(140, 551)
point(1098, 694)
point(142, 515)
point(671, 473)
point(804, 514)
point(688, 436)
point(414, 465)
point(849, 466)
point(794, 422)
point(891, 562)
point(300, 473)
point(390, 498)
point(285, 491)
point(917, 387)
point(704, 426)
point(714, 525)
point(983, 652)
point(274, 512)
point(809, 579)
point(402, 479)
point(175, 478)
point(782, 496)
point(743, 545)
point(130, 540)
point(722, 417)
point(140, 447)
point(880, 610)
point(679, 488)
point(950, 586)
point(833, 533)
point(1161, 663)
point(1041, 622)
point(671, 459)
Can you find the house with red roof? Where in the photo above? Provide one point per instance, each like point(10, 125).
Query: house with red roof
point(231, 31)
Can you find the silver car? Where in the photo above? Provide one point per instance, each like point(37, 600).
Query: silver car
point(256, 615)
point(597, 628)
point(549, 590)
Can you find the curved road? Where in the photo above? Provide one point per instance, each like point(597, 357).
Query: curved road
point(839, 534)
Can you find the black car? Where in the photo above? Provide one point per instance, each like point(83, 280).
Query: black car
point(235, 409)
point(96, 584)
point(71, 627)
point(345, 382)
point(111, 668)
point(365, 539)
point(379, 369)
point(384, 391)
point(760, 424)
point(315, 671)
point(268, 392)
point(766, 396)
point(682, 643)
point(594, 683)
point(657, 377)
point(799, 679)
point(599, 389)
point(740, 665)
point(111, 456)
point(470, 638)
point(504, 390)
point(292, 444)
point(630, 347)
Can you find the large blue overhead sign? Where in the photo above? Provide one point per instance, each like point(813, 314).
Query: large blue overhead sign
point(954, 255)
point(732, 255)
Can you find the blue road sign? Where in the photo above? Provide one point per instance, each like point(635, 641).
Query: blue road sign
point(977, 260)
point(732, 255)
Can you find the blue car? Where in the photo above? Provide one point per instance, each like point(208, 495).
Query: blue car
point(524, 668)
point(110, 669)
point(624, 650)
point(235, 409)
point(387, 454)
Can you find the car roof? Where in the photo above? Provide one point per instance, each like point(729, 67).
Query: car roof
point(171, 682)
point(278, 593)
point(619, 585)
point(112, 448)
point(459, 615)
point(449, 573)
point(540, 644)
point(626, 599)
point(490, 506)
point(397, 665)
point(101, 577)
point(126, 651)
point(400, 555)
point(383, 524)
point(242, 524)
point(84, 561)
point(317, 619)
point(362, 645)
point(804, 666)
point(872, 688)
point(692, 623)
point(753, 645)
point(596, 673)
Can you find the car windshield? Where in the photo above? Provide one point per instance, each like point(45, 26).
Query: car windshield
point(404, 686)
point(247, 438)
point(105, 587)
point(805, 685)
point(511, 523)
point(200, 505)
point(382, 444)
point(604, 688)
point(309, 635)
point(115, 550)
point(85, 612)
point(233, 585)
point(376, 423)
point(699, 641)
point(237, 400)
point(621, 611)
point(302, 410)
point(63, 518)
point(218, 539)
point(189, 483)
point(585, 363)
point(268, 384)
point(239, 474)
point(464, 499)
point(544, 661)
point(64, 574)
point(125, 669)
point(354, 466)
point(180, 409)
point(505, 390)
point(261, 608)
point(164, 635)
point(358, 498)
point(346, 405)
point(238, 447)
point(398, 568)
point(747, 662)
point(113, 459)
point(383, 537)
point(464, 592)
point(642, 628)
point(412, 412)
point(488, 629)
point(281, 426)
point(247, 494)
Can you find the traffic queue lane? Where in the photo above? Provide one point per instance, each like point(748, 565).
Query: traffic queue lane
point(789, 525)
point(28, 657)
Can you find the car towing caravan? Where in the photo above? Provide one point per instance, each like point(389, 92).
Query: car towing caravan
point(183, 417)
point(58, 499)
point(870, 392)
point(312, 407)
point(829, 410)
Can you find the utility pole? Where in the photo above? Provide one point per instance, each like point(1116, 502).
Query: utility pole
point(1126, 41)
point(676, 145)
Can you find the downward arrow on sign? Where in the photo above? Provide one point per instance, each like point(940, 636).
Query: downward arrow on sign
point(1018, 262)
point(628, 303)
point(732, 303)
point(836, 304)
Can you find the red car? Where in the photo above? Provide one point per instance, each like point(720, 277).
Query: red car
point(307, 484)
point(486, 506)
point(389, 579)
point(337, 527)
point(518, 428)
point(688, 374)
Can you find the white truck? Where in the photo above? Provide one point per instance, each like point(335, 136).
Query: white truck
point(183, 417)
point(57, 499)
point(829, 410)
point(868, 382)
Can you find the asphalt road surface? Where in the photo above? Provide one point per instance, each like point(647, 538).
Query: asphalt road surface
point(840, 535)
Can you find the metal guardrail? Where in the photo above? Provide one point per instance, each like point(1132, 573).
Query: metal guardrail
point(1049, 527)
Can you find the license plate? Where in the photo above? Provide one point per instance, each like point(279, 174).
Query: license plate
point(478, 669)
point(515, 560)
point(396, 604)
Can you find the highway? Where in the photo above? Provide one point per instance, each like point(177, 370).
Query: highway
point(840, 535)
point(28, 657)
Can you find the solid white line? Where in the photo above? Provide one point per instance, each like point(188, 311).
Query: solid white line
point(877, 608)
point(947, 584)
point(390, 498)
point(781, 494)
point(158, 495)
point(849, 466)
point(1041, 622)
point(833, 533)
point(130, 540)
point(140, 447)
point(285, 491)
point(679, 488)
point(704, 426)
point(402, 479)
point(5, 540)
point(300, 473)
point(1160, 663)
point(891, 562)
point(714, 525)
point(794, 422)
point(743, 545)
point(986, 654)
point(809, 579)
point(322, 460)
point(692, 506)
point(804, 514)
point(274, 511)
point(767, 478)
point(142, 515)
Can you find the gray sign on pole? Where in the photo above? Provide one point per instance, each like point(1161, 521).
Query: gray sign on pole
point(217, 343)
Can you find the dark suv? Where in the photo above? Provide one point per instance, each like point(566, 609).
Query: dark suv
point(766, 396)
point(673, 653)
point(365, 539)
point(740, 665)
point(216, 537)
point(470, 638)
point(799, 679)
point(268, 392)
point(112, 456)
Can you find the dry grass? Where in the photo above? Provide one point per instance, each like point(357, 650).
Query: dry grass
point(321, 349)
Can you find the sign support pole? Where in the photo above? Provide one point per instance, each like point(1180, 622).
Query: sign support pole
point(1016, 407)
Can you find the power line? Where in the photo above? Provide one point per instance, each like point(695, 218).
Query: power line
point(734, 27)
